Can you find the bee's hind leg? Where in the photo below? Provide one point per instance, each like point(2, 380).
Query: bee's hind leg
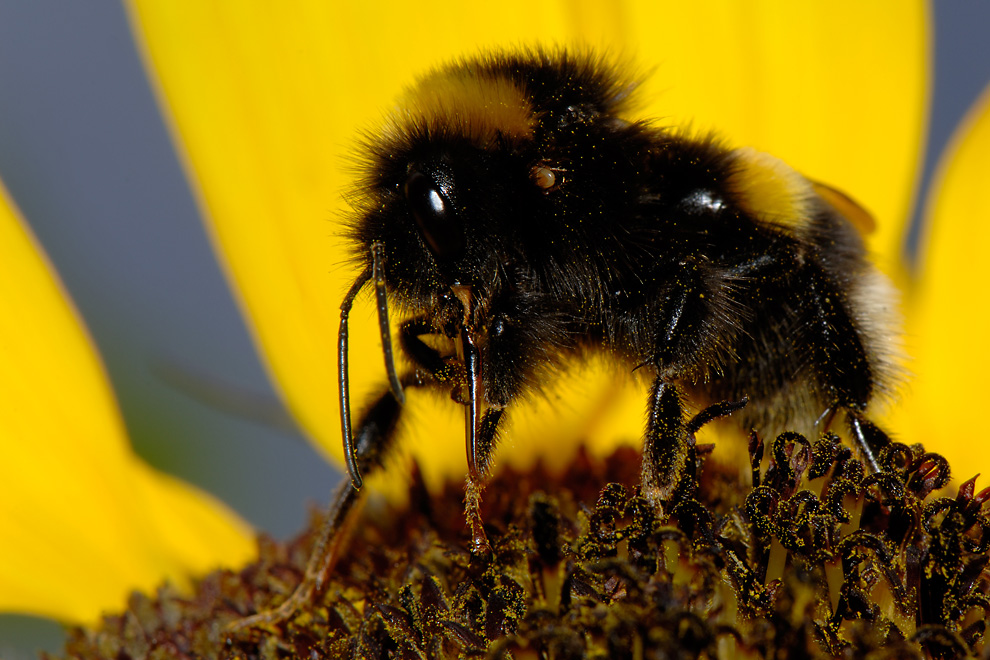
point(372, 443)
point(870, 438)
point(669, 440)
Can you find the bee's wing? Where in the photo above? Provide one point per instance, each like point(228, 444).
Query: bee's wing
point(847, 207)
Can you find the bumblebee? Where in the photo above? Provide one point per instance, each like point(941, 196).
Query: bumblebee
point(515, 215)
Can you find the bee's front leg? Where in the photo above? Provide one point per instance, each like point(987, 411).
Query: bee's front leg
point(372, 442)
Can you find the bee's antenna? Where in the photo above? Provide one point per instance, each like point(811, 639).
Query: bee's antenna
point(378, 272)
point(350, 452)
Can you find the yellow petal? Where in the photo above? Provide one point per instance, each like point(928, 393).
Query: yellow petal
point(82, 520)
point(266, 105)
point(949, 315)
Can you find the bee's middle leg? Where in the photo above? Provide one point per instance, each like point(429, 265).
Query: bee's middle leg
point(668, 449)
point(667, 445)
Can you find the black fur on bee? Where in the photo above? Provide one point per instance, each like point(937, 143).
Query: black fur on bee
point(512, 210)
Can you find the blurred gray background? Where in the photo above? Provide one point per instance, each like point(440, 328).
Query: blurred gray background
point(85, 155)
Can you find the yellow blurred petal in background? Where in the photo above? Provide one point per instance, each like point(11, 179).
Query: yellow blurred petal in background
point(83, 521)
point(266, 105)
point(949, 313)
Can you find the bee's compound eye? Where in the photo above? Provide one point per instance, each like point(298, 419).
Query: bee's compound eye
point(543, 177)
point(433, 213)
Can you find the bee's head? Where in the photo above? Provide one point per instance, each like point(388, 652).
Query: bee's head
point(488, 166)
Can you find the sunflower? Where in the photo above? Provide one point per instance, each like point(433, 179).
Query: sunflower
point(264, 106)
